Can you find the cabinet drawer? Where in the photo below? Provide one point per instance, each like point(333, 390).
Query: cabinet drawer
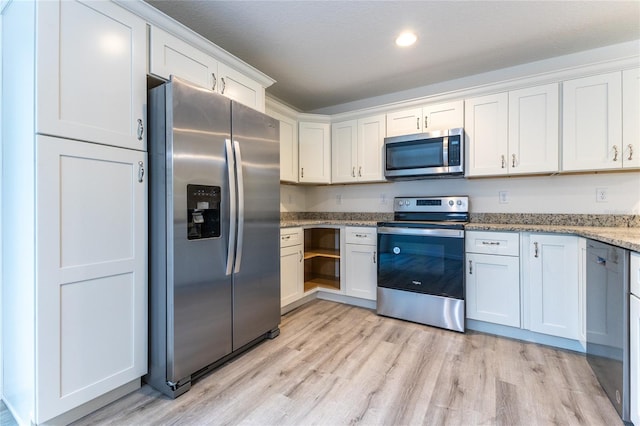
point(502, 243)
point(290, 237)
point(634, 273)
point(361, 235)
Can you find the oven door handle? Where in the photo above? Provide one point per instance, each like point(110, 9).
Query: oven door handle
point(446, 233)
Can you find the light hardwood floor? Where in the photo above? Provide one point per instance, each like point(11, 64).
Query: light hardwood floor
point(336, 364)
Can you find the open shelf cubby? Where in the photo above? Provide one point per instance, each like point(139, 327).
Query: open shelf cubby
point(321, 258)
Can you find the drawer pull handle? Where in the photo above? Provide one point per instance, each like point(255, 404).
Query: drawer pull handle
point(630, 152)
point(353, 171)
point(513, 161)
point(418, 123)
point(502, 157)
point(214, 80)
point(535, 249)
point(470, 267)
point(615, 153)
point(374, 257)
point(491, 243)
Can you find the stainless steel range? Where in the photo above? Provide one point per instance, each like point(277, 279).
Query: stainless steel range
point(421, 261)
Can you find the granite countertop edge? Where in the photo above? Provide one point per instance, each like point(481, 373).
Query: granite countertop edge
point(625, 237)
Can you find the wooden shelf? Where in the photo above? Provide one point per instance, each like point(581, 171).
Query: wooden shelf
point(332, 283)
point(315, 252)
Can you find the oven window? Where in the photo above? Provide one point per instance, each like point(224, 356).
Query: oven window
point(414, 154)
point(422, 264)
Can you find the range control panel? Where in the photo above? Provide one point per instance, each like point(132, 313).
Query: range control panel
point(431, 204)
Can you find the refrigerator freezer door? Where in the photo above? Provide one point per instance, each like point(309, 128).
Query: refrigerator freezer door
point(199, 327)
point(256, 283)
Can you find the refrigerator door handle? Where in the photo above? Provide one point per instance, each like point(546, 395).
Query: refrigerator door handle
point(231, 167)
point(236, 149)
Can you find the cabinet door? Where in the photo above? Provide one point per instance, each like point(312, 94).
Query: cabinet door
point(493, 289)
point(533, 130)
point(449, 115)
point(362, 275)
point(630, 120)
point(291, 274)
point(168, 55)
point(344, 151)
point(592, 123)
point(371, 131)
point(92, 272)
point(634, 342)
point(235, 85)
point(91, 73)
point(288, 149)
point(405, 122)
point(314, 152)
point(485, 126)
point(553, 285)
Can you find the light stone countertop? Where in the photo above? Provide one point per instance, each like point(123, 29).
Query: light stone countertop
point(625, 237)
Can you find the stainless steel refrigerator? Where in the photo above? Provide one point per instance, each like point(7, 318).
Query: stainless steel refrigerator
point(214, 213)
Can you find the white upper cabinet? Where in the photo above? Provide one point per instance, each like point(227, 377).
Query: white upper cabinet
point(288, 149)
point(169, 55)
point(592, 123)
point(428, 118)
point(314, 145)
point(371, 131)
point(631, 118)
point(357, 150)
point(485, 126)
point(514, 133)
point(533, 130)
point(91, 79)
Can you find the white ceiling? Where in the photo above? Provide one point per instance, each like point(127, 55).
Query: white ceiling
point(326, 53)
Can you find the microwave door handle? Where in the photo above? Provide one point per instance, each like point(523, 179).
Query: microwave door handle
point(445, 151)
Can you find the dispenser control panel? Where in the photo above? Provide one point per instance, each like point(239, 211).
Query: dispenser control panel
point(203, 211)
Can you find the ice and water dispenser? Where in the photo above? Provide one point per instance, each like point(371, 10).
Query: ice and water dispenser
point(203, 204)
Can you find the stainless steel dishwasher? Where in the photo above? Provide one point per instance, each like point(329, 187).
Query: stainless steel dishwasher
point(608, 321)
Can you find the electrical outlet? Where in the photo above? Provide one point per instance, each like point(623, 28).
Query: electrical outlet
point(503, 197)
point(601, 195)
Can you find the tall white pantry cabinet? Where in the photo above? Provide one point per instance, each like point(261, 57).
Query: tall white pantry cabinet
point(74, 196)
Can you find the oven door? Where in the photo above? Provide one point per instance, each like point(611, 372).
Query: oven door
point(428, 261)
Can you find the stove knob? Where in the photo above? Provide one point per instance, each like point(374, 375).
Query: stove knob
point(459, 202)
point(451, 203)
point(400, 203)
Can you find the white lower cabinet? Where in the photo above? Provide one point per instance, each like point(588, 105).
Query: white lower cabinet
point(361, 266)
point(551, 284)
point(493, 277)
point(91, 267)
point(291, 265)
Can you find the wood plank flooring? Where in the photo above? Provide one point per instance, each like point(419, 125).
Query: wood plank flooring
point(336, 364)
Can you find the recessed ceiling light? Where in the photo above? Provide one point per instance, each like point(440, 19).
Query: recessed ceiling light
point(406, 39)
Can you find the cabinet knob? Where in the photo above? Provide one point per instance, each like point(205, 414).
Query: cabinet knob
point(140, 129)
point(615, 153)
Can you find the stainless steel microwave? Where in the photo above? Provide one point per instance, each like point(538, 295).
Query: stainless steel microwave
point(421, 155)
